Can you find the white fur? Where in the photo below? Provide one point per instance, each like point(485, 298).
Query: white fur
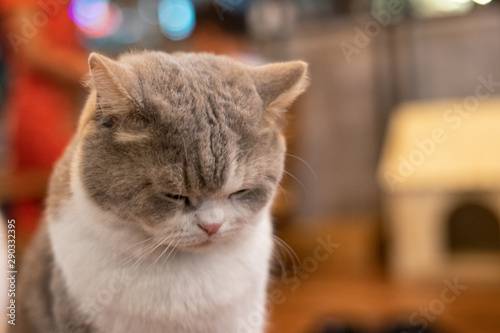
point(219, 290)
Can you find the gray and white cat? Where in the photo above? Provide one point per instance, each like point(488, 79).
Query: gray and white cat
point(158, 214)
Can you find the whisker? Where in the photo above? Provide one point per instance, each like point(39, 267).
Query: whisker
point(294, 259)
point(148, 251)
point(280, 252)
point(132, 246)
point(175, 248)
point(165, 250)
point(284, 193)
point(307, 164)
point(297, 180)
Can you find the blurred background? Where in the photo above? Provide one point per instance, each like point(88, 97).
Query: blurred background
point(389, 211)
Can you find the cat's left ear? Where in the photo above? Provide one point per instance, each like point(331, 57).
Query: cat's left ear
point(279, 84)
point(110, 78)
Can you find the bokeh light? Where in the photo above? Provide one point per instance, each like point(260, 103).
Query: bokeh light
point(87, 12)
point(234, 6)
point(177, 18)
point(106, 25)
point(482, 2)
point(432, 8)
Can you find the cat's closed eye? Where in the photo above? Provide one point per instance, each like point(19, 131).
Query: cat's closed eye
point(107, 122)
point(131, 123)
point(177, 198)
point(239, 193)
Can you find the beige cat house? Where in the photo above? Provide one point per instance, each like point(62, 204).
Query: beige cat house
point(440, 178)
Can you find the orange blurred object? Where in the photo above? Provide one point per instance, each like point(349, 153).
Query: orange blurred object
point(45, 65)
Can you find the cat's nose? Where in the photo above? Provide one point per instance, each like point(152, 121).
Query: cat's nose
point(210, 228)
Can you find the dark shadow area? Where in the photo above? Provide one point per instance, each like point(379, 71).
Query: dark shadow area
point(473, 227)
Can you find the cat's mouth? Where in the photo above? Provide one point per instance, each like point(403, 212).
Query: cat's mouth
point(201, 245)
point(206, 242)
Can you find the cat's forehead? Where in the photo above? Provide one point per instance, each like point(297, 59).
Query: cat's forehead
point(189, 92)
point(204, 112)
point(158, 72)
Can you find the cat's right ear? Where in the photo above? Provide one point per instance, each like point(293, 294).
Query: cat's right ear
point(109, 79)
point(279, 84)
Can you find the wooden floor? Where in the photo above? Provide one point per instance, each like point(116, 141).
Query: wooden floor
point(374, 303)
point(351, 285)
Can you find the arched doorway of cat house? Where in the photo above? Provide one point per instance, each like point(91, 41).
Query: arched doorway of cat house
point(473, 230)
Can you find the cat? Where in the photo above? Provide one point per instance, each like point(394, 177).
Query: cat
point(158, 214)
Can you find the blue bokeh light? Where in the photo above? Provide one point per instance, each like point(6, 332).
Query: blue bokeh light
point(177, 18)
point(235, 6)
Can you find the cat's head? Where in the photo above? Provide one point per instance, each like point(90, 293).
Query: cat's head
point(188, 146)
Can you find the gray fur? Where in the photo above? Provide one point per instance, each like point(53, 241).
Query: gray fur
point(43, 304)
point(198, 110)
point(157, 125)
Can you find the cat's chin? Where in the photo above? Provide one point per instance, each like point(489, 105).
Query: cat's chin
point(201, 246)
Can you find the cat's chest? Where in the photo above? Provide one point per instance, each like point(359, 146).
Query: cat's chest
point(164, 298)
